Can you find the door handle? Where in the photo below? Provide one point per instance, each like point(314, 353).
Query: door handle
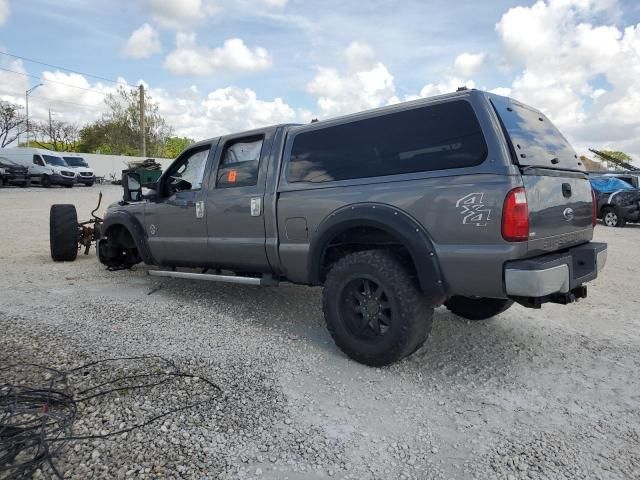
point(256, 206)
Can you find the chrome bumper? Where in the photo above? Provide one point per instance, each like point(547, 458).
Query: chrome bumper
point(555, 273)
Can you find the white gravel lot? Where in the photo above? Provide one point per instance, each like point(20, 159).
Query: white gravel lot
point(552, 393)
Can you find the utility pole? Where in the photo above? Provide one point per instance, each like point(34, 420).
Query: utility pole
point(26, 95)
point(50, 128)
point(142, 126)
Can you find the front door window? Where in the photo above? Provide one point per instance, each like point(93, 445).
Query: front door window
point(187, 174)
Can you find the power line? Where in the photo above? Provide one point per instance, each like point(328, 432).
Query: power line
point(85, 105)
point(53, 81)
point(67, 69)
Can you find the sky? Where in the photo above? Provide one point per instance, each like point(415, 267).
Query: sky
point(221, 66)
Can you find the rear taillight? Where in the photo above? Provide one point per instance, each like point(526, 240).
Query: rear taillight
point(515, 216)
point(594, 202)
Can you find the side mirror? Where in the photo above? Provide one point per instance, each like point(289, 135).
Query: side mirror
point(132, 187)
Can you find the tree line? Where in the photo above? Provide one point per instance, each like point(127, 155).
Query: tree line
point(117, 131)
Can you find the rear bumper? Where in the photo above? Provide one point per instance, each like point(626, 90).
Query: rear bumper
point(556, 274)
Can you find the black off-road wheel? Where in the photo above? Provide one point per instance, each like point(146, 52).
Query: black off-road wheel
point(63, 233)
point(477, 308)
point(374, 309)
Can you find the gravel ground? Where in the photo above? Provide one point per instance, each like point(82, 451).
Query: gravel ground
point(553, 393)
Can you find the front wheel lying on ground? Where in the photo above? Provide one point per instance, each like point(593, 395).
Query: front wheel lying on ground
point(374, 310)
point(63, 233)
point(477, 308)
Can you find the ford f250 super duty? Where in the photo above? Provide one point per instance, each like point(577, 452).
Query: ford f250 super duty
point(470, 200)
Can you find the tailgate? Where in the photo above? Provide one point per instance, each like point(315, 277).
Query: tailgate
point(560, 211)
point(558, 191)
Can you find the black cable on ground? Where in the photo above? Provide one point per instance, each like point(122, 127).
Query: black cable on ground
point(36, 422)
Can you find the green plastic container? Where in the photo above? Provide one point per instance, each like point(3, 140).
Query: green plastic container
point(148, 176)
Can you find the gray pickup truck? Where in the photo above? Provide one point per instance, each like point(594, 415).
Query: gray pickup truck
point(470, 200)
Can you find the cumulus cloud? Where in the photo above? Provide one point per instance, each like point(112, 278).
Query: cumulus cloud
point(584, 73)
point(234, 109)
point(190, 112)
point(468, 63)
point(13, 84)
point(189, 58)
point(448, 86)
point(70, 96)
point(275, 3)
point(199, 115)
point(143, 43)
point(366, 83)
point(180, 14)
point(4, 11)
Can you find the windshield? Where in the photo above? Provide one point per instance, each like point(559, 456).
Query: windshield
point(75, 161)
point(6, 161)
point(51, 160)
point(536, 141)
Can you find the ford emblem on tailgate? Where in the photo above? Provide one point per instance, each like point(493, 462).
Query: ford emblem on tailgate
point(568, 214)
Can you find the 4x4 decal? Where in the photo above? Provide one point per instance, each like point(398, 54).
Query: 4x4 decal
point(473, 210)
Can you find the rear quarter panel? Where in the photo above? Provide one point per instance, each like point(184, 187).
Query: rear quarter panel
point(462, 214)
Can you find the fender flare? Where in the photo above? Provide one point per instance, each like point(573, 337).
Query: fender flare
point(391, 220)
point(135, 229)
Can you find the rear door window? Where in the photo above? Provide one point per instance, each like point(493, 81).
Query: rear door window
point(434, 137)
point(240, 162)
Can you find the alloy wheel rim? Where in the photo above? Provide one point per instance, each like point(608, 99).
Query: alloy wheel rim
point(368, 311)
point(610, 219)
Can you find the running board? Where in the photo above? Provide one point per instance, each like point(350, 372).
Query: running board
point(264, 281)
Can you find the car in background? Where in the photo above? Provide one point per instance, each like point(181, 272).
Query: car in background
point(618, 201)
point(631, 178)
point(45, 167)
point(84, 173)
point(12, 173)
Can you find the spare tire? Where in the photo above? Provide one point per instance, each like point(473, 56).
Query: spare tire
point(63, 233)
point(477, 308)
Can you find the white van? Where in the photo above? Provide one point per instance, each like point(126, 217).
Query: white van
point(81, 167)
point(45, 166)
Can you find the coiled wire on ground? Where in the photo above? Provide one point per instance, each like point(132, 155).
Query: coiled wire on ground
point(36, 421)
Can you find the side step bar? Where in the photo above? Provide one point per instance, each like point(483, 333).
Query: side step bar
point(265, 281)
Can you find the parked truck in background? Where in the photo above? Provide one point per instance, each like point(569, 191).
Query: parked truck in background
point(470, 200)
